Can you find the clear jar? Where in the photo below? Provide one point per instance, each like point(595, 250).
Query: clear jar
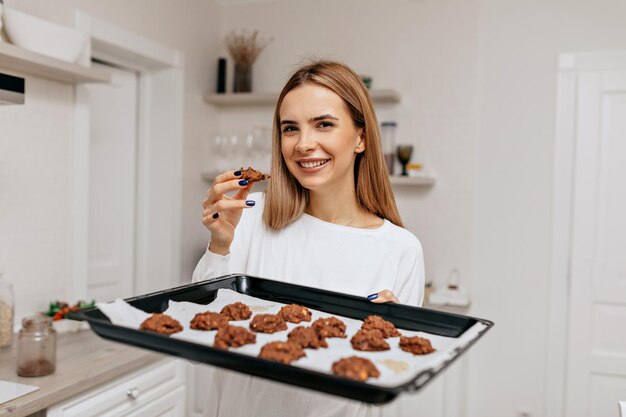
point(36, 347)
point(388, 139)
point(7, 310)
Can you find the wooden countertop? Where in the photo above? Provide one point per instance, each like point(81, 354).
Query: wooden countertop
point(84, 361)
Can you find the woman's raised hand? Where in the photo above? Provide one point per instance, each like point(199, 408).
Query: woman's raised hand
point(222, 212)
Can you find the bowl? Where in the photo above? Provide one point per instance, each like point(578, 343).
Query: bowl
point(39, 35)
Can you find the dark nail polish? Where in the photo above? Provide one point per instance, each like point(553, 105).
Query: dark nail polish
point(250, 203)
point(372, 296)
point(216, 215)
point(243, 182)
point(237, 173)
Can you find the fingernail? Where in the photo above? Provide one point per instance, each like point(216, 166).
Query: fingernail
point(250, 203)
point(216, 215)
point(237, 173)
point(243, 182)
point(372, 296)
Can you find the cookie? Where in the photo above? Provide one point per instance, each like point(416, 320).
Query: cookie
point(268, 323)
point(233, 336)
point(306, 337)
point(208, 321)
point(283, 352)
point(416, 345)
point(252, 175)
point(294, 313)
point(161, 323)
point(236, 311)
point(376, 322)
point(369, 341)
point(356, 368)
point(330, 327)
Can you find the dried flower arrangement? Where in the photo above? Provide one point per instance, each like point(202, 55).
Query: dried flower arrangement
point(245, 47)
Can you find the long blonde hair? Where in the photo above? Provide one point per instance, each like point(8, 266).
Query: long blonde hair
point(285, 198)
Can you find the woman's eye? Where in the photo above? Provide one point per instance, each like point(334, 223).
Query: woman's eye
point(288, 129)
point(325, 124)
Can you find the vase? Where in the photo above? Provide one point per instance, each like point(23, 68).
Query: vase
point(243, 78)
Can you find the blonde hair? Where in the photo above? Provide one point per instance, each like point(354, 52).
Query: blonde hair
point(285, 198)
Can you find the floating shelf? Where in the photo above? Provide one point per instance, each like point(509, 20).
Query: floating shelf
point(24, 62)
point(269, 99)
point(425, 180)
point(420, 181)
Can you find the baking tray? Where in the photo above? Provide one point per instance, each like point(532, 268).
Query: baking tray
point(403, 316)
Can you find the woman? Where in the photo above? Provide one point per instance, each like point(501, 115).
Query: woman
point(328, 220)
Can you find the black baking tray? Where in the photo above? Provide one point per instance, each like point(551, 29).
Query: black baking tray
point(403, 316)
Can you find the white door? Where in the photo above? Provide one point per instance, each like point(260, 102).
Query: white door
point(596, 361)
point(112, 186)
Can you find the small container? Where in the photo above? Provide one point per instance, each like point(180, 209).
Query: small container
point(388, 139)
point(36, 347)
point(7, 309)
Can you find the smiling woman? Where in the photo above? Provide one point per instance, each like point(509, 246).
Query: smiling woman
point(327, 220)
point(326, 142)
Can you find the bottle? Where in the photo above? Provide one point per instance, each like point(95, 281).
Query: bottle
point(388, 138)
point(6, 312)
point(36, 347)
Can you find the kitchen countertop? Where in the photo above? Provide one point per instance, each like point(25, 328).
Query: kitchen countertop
point(84, 361)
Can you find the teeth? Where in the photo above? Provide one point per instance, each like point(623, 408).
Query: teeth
point(312, 164)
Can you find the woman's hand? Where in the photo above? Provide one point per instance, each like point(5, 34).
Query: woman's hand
point(384, 296)
point(222, 213)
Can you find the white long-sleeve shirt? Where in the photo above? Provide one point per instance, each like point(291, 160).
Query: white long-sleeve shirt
point(313, 253)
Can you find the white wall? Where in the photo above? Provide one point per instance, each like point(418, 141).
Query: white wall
point(519, 44)
point(36, 141)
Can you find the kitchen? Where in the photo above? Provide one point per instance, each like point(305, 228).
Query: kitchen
point(478, 83)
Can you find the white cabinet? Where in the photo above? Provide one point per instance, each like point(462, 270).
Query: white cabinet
point(156, 390)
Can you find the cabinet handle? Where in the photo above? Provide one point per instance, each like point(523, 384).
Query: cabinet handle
point(132, 393)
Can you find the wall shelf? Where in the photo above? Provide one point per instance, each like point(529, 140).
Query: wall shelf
point(269, 99)
point(425, 180)
point(24, 62)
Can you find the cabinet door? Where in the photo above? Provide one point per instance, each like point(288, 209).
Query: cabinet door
point(126, 394)
point(169, 405)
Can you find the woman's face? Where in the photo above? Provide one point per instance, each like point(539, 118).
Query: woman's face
point(319, 140)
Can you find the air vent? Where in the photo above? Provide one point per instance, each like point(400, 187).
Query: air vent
point(11, 89)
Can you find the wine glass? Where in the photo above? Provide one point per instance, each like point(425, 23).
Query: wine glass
point(404, 156)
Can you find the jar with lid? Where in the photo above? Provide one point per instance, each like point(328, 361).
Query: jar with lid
point(36, 347)
point(7, 310)
point(388, 138)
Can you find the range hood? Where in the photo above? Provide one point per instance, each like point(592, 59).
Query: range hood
point(11, 89)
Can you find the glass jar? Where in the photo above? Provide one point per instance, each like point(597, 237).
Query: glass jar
point(7, 310)
point(36, 347)
point(388, 139)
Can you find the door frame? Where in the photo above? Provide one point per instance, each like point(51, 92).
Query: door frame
point(160, 135)
point(569, 64)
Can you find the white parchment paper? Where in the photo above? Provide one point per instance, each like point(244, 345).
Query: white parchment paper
point(395, 365)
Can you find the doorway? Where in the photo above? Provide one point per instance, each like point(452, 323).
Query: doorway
point(589, 275)
point(148, 235)
point(112, 185)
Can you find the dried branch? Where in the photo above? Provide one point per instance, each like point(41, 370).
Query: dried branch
point(245, 47)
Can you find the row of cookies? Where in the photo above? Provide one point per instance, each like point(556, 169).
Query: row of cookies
point(371, 336)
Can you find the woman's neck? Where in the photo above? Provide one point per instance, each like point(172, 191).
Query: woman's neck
point(336, 207)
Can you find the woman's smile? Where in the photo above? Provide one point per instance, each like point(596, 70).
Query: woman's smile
point(312, 165)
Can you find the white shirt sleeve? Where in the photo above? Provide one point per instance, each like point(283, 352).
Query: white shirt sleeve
point(210, 266)
point(411, 276)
